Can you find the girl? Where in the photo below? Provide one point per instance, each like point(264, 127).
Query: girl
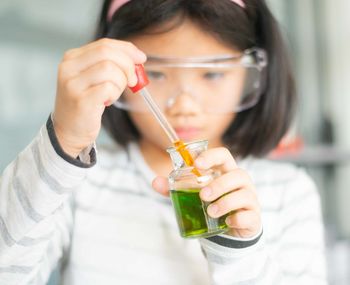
point(219, 71)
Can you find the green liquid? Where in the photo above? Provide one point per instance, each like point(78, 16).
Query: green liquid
point(191, 215)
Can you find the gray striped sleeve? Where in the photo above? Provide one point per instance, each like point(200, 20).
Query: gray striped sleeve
point(16, 269)
point(8, 239)
point(24, 201)
point(53, 184)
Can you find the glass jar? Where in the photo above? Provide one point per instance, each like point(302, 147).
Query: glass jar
point(191, 212)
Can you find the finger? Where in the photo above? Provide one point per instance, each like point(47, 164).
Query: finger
point(219, 157)
point(102, 72)
point(160, 184)
point(93, 57)
point(243, 220)
point(129, 48)
point(231, 181)
point(241, 199)
point(101, 95)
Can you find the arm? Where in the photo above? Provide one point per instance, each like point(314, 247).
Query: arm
point(295, 255)
point(35, 213)
point(35, 217)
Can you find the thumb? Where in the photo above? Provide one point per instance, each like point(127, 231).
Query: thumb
point(160, 184)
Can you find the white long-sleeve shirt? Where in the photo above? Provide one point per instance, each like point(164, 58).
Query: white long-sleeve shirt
point(106, 225)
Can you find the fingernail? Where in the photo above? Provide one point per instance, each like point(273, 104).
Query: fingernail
point(213, 210)
point(200, 162)
point(134, 80)
point(143, 56)
point(206, 192)
point(228, 221)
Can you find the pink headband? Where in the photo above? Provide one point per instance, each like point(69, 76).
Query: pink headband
point(116, 4)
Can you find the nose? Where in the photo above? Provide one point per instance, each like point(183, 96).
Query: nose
point(183, 104)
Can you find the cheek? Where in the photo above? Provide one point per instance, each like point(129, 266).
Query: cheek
point(150, 129)
point(145, 123)
point(217, 125)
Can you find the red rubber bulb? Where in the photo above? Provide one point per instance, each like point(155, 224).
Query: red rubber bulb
point(142, 79)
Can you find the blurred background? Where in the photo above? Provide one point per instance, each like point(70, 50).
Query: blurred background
point(34, 35)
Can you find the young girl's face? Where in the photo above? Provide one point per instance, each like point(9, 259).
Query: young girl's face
point(185, 114)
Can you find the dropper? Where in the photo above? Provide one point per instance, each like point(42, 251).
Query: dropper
point(140, 87)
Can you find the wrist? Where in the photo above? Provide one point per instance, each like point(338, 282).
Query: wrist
point(86, 158)
point(243, 233)
point(67, 144)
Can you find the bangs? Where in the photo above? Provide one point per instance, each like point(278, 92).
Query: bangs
point(224, 20)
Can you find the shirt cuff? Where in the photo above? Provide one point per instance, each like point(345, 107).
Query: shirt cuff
point(235, 242)
point(226, 246)
point(86, 159)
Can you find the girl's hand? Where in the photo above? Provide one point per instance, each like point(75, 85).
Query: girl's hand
point(89, 79)
point(232, 193)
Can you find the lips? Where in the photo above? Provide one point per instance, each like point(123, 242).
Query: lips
point(187, 133)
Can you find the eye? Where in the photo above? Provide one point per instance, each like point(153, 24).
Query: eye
point(155, 75)
point(213, 75)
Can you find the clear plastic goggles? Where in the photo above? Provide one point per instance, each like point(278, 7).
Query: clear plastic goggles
point(219, 84)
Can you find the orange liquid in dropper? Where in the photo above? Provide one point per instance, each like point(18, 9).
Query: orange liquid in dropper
point(186, 156)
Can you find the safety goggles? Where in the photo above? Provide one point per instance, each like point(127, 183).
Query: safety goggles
point(218, 84)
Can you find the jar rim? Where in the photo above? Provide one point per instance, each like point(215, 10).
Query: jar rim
point(172, 149)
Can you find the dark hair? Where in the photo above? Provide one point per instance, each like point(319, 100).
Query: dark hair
point(253, 132)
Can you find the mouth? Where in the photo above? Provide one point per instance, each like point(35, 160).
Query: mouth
point(187, 133)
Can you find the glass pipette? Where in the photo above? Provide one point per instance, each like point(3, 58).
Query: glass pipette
point(158, 114)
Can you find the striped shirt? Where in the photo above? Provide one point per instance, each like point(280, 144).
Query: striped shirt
point(106, 225)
